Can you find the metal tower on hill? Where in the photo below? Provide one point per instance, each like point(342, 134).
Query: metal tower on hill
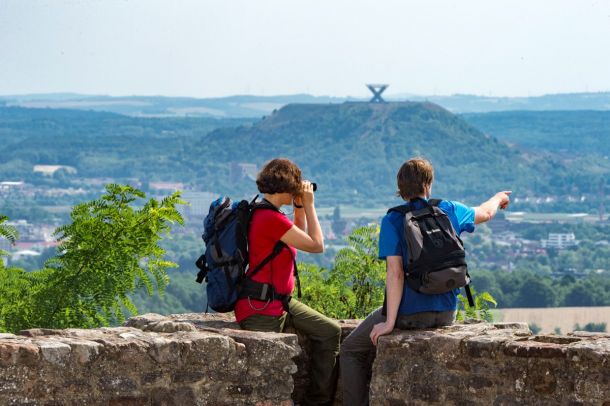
point(377, 90)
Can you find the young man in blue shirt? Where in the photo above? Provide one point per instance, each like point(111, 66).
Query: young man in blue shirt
point(406, 308)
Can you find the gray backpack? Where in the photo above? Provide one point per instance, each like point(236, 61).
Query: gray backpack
point(437, 260)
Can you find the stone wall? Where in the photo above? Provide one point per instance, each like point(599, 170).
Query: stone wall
point(196, 359)
point(163, 362)
point(483, 364)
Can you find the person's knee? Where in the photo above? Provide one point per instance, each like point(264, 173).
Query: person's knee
point(334, 333)
point(329, 337)
point(344, 350)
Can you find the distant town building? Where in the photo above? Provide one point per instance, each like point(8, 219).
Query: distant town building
point(327, 229)
point(6, 185)
point(96, 181)
point(33, 232)
point(499, 224)
point(15, 188)
point(173, 186)
point(506, 237)
point(49, 170)
point(36, 245)
point(5, 244)
point(199, 204)
point(240, 171)
point(16, 256)
point(559, 240)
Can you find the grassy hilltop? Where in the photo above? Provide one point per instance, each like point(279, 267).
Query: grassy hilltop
point(353, 151)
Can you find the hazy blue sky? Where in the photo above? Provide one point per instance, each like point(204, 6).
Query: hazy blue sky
point(326, 47)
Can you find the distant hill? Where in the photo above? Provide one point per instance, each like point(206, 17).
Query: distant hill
point(567, 132)
point(159, 106)
point(353, 151)
point(258, 106)
point(101, 144)
point(567, 101)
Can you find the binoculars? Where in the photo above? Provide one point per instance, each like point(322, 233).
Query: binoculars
point(315, 186)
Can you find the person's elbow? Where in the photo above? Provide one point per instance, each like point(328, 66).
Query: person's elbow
point(396, 274)
point(482, 215)
point(394, 268)
point(317, 247)
point(312, 246)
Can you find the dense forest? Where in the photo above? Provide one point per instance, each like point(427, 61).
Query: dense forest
point(571, 133)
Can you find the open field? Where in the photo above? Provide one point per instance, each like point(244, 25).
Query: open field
point(563, 317)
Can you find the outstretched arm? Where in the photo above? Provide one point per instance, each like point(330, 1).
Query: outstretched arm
point(486, 211)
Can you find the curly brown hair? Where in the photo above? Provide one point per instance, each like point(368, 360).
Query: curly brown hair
point(413, 177)
point(280, 175)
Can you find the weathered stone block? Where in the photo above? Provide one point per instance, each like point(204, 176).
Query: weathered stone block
point(56, 353)
point(127, 401)
point(117, 384)
point(188, 377)
point(175, 396)
point(19, 354)
point(529, 349)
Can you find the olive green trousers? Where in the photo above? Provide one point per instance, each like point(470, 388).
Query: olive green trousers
point(324, 335)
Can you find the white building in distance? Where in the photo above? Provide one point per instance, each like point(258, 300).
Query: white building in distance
point(49, 170)
point(559, 241)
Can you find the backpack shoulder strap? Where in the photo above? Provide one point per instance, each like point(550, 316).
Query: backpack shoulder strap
point(405, 209)
point(401, 209)
point(274, 253)
point(264, 204)
point(434, 202)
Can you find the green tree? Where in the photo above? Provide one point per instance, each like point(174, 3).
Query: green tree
point(354, 286)
point(323, 292)
point(7, 232)
point(535, 292)
point(359, 267)
point(585, 293)
point(110, 250)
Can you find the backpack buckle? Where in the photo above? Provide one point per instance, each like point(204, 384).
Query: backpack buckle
point(203, 269)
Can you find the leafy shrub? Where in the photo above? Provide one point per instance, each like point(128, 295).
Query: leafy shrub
point(110, 250)
point(480, 310)
point(354, 286)
point(591, 327)
point(534, 328)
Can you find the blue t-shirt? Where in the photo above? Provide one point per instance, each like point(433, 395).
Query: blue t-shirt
point(392, 243)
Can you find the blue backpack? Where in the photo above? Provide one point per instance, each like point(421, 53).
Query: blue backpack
point(224, 265)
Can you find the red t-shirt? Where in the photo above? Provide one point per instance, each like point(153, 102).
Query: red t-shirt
point(266, 229)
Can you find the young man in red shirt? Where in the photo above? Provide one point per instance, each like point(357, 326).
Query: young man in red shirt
point(281, 183)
